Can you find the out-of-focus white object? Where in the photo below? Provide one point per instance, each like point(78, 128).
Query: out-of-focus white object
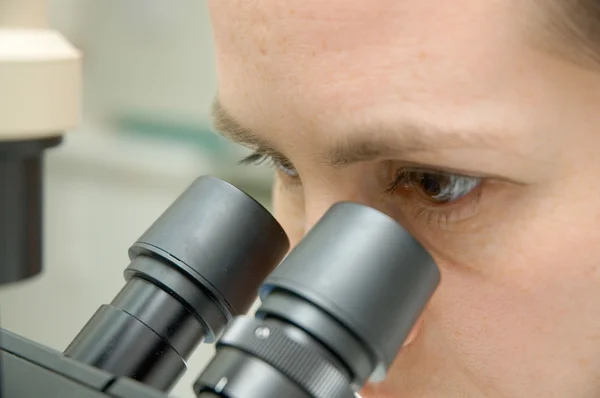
point(40, 74)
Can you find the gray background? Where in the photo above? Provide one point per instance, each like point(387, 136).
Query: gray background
point(144, 136)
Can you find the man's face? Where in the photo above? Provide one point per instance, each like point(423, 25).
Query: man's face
point(445, 116)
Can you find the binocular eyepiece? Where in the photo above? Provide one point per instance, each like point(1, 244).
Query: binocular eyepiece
point(334, 312)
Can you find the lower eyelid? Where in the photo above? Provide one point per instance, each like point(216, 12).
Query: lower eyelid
point(443, 216)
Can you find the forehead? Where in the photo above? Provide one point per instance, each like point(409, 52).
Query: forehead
point(313, 62)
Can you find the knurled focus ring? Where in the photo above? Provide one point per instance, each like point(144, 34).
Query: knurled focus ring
point(303, 364)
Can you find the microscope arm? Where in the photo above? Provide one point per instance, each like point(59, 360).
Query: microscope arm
point(40, 85)
point(32, 370)
point(40, 74)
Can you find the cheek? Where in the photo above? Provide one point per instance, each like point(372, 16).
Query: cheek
point(530, 317)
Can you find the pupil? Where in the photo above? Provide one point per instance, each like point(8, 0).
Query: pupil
point(430, 184)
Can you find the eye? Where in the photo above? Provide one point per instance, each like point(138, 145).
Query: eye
point(436, 187)
point(281, 164)
point(437, 197)
point(441, 188)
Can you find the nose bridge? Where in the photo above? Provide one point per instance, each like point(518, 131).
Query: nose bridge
point(317, 203)
point(314, 212)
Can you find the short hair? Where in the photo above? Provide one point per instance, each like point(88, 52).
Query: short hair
point(572, 28)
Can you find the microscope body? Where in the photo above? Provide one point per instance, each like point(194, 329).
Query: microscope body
point(40, 86)
point(40, 89)
point(32, 370)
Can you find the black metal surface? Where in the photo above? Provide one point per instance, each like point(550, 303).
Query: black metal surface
point(366, 271)
point(293, 353)
point(127, 388)
point(162, 313)
point(235, 374)
point(217, 234)
point(24, 379)
point(208, 394)
point(197, 300)
point(334, 313)
point(21, 207)
point(51, 359)
point(191, 272)
point(345, 347)
point(120, 344)
point(30, 370)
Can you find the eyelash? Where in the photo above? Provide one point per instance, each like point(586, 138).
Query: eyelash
point(403, 185)
point(461, 206)
point(282, 165)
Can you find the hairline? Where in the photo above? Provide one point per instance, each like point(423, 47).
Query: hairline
point(569, 30)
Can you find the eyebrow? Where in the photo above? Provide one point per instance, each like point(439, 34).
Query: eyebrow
point(362, 144)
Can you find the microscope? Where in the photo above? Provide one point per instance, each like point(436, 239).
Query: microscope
point(334, 310)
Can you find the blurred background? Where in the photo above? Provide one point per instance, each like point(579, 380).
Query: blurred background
point(144, 136)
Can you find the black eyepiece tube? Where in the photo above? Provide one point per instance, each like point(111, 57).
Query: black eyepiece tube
point(334, 314)
point(198, 266)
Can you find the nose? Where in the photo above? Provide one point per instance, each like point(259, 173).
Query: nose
point(320, 195)
point(310, 222)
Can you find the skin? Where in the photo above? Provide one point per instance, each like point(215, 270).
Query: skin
point(516, 313)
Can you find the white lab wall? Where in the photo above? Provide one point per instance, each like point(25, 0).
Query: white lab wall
point(103, 190)
point(149, 55)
